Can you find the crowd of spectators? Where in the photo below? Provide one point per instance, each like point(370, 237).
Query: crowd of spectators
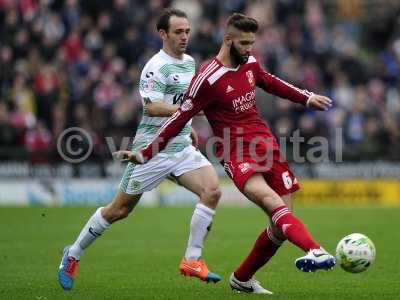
point(77, 63)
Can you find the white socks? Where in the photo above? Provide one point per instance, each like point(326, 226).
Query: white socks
point(199, 227)
point(92, 230)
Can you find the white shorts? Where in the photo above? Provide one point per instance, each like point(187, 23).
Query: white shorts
point(141, 178)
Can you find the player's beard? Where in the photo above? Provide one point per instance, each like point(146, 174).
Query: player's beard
point(236, 57)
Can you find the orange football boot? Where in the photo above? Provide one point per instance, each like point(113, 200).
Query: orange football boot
point(199, 269)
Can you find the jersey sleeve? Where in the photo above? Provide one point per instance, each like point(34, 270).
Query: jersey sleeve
point(278, 87)
point(196, 99)
point(152, 85)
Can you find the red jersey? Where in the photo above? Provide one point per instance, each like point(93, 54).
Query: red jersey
point(228, 98)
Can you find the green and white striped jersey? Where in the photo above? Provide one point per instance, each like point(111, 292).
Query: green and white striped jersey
point(164, 79)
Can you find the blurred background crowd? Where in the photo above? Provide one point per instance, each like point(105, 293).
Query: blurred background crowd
point(77, 63)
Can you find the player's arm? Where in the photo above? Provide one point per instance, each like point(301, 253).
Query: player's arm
point(159, 109)
point(152, 88)
point(189, 108)
point(283, 89)
point(170, 129)
point(195, 101)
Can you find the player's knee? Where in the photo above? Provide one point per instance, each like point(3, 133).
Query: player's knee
point(215, 194)
point(211, 196)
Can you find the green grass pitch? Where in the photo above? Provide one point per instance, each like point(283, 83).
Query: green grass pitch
point(138, 258)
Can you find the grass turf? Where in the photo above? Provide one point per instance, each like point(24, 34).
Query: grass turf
point(138, 258)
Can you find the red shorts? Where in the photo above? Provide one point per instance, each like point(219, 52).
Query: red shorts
point(276, 172)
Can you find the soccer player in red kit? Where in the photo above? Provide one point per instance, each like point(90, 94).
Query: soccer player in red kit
point(225, 90)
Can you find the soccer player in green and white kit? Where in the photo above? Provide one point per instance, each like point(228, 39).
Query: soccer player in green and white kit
point(163, 82)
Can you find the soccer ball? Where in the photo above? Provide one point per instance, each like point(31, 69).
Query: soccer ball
point(355, 253)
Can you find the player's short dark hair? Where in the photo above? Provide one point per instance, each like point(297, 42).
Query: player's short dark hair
point(242, 23)
point(165, 16)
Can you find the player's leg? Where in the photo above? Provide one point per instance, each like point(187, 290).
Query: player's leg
point(198, 176)
point(266, 245)
point(257, 190)
point(283, 225)
point(136, 180)
point(307, 263)
point(204, 183)
point(119, 208)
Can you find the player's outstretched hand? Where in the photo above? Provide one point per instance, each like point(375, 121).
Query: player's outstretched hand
point(319, 102)
point(125, 155)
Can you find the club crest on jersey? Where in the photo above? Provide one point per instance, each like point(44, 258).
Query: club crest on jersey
point(135, 185)
point(250, 77)
point(187, 105)
point(148, 85)
point(244, 167)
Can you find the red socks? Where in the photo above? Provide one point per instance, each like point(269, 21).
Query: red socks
point(293, 228)
point(264, 248)
point(267, 244)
